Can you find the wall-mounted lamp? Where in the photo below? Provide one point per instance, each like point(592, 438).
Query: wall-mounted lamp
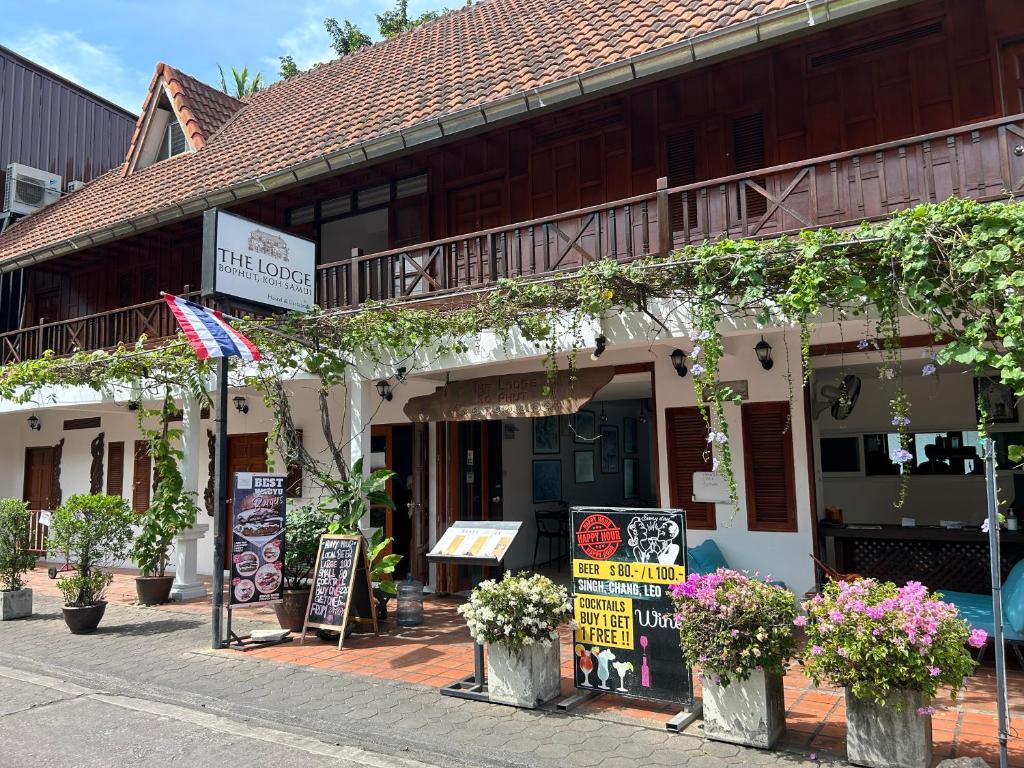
point(240, 404)
point(600, 345)
point(604, 414)
point(133, 405)
point(33, 423)
point(642, 418)
point(763, 350)
point(678, 358)
point(384, 390)
point(400, 373)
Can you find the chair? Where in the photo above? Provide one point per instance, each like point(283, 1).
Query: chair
point(706, 557)
point(977, 610)
point(552, 525)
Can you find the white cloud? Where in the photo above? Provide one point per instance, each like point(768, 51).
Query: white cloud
point(95, 67)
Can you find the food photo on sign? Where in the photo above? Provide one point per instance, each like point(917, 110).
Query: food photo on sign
point(626, 638)
point(257, 538)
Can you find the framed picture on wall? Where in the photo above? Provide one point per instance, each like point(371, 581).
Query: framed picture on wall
point(584, 461)
point(630, 469)
point(547, 480)
point(1000, 405)
point(629, 441)
point(545, 435)
point(609, 445)
point(585, 427)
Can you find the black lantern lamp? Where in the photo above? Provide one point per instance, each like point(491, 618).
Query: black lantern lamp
point(600, 345)
point(384, 390)
point(763, 350)
point(678, 358)
point(241, 405)
point(33, 423)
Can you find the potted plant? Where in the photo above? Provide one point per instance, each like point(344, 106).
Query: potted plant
point(517, 618)
point(739, 631)
point(892, 649)
point(15, 559)
point(92, 531)
point(302, 540)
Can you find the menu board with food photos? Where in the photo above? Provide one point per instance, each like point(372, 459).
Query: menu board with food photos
point(342, 566)
point(257, 538)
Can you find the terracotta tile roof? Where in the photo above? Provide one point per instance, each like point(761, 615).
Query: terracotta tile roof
point(465, 59)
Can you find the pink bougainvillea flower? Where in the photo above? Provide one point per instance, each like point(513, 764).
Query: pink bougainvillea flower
point(978, 638)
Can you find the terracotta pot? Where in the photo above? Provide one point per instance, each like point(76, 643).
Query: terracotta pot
point(83, 620)
point(153, 590)
point(291, 611)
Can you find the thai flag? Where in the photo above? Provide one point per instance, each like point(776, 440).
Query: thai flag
point(208, 333)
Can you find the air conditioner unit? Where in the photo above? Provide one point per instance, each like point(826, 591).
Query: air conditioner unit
point(74, 186)
point(27, 189)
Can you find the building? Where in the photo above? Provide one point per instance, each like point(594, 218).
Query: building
point(521, 137)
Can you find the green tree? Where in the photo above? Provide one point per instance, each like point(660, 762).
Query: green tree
point(346, 37)
point(288, 67)
point(397, 20)
point(243, 86)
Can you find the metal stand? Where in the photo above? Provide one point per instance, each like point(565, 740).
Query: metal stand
point(246, 643)
point(569, 703)
point(683, 720)
point(997, 600)
point(473, 687)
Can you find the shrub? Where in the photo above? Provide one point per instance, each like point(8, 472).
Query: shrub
point(15, 559)
point(876, 638)
point(302, 540)
point(517, 611)
point(731, 625)
point(92, 531)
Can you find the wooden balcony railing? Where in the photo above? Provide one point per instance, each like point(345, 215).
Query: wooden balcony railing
point(984, 161)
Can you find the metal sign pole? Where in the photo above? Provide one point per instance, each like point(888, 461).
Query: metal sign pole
point(997, 603)
point(220, 495)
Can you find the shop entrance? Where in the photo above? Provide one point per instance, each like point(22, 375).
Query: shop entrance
point(40, 489)
point(246, 453)
point(392, 447)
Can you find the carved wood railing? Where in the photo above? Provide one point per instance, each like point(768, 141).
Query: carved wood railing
point(984, 161)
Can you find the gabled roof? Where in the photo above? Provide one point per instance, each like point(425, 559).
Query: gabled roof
point(492, 61)
point(200, 108)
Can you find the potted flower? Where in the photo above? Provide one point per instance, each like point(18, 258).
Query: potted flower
point(892, 648)
point(517, 618)
point(739, 631)
point(15, 559)
point(302, 540)
point(92, 531)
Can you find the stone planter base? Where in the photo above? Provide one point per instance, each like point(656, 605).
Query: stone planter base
point(751, 712)
point(16, 604)
point(525, 679)
point(879, 736)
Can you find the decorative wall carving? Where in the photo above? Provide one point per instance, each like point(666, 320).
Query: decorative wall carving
point(96, 468)
point(58, 494)
point(211, 445)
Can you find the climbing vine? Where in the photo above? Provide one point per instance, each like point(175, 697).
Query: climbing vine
point(956, 265)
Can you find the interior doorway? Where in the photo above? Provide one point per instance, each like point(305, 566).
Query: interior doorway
point(40, 489)
point(246, 453)
point(391, 447)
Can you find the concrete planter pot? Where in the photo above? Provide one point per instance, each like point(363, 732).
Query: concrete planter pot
point(751, 712)
point(16, 604)
point(882, 736)
point(527, 679)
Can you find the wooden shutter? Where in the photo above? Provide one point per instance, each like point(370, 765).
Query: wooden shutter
point(768, 466)
point(141, 476)
point(115, 469)
point(294, 481)
point(681, 148)
point(686, 434)
point(748, 155)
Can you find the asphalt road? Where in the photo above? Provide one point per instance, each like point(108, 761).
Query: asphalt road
point(49, 723)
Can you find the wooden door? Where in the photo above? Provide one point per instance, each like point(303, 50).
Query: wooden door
point(141, 476)
point(420, 495)
point(39, 489)
point(246, 453)
point(688, 452)
point(471, 209)
point(1012, 61)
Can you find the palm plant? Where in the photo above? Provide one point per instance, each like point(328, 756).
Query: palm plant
point(243, 86)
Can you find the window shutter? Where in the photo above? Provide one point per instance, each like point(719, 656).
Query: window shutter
point(141, 476)
point(682, 169)
point(115, 469)
point(748, 155)
point(686, 435)
point(294, 482)
point(768, 466)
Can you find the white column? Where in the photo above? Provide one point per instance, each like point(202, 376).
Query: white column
point(186, 583)
point(360, 410)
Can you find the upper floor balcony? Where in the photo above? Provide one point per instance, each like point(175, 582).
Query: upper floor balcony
point(983, 161)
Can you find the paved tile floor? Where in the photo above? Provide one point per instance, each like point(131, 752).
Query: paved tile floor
point(441, 651)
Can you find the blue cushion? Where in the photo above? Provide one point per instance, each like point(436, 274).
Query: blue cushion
point(705, 558)
point(976, 610)
point(1013, 599)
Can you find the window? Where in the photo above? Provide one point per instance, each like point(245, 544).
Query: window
point(934, 453)
point(768, 464)
point(173, 141)
point(115, 469)
point(840, 454)
point(686, 434)
point(141, 476)
point(748, 155)
point(682, 169)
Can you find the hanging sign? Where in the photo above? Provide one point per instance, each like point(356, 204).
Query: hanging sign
point(342, 568)
point(519, 395)
point(257, 538)
point(627, 641)
point(256, 264)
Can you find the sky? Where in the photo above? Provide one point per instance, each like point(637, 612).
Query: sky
point(112, 46)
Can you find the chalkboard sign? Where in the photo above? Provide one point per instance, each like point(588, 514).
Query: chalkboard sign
point(627, 639)
point(342, 567)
